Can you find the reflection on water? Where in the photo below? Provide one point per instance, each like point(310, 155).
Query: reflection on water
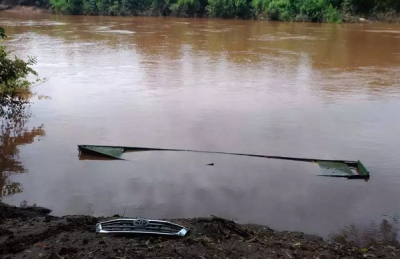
point(289, 89)
point(94, 157)
point(14, 134)
point(384, 233)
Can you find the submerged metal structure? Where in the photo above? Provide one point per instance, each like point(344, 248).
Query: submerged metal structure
point(331, 168)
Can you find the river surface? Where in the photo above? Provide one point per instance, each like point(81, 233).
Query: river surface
point(289, 89)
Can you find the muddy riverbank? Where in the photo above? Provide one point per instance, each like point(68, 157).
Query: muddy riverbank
point(31, 232)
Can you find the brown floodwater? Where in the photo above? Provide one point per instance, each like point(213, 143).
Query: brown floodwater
point(289, 89)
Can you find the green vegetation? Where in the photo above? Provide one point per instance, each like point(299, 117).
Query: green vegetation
point(37, 3)
point(230, 8)
point(14, 85)
point(294, 10)
point(188, 8)
point(333, 11)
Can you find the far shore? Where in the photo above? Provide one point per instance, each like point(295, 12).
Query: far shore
point(391, 19)
point(23, 9)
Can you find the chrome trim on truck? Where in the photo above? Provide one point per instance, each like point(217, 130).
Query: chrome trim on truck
point(141, 226)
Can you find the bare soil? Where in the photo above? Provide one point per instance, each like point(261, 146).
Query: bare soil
point(32, 233)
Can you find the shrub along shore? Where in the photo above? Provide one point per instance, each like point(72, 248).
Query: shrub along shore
point(332, 11)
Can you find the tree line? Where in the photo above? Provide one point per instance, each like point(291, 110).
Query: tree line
point(280, 10)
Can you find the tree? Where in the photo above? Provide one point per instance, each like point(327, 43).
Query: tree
point(15, 91)
point(14, 85)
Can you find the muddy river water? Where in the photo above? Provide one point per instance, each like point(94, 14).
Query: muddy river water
point(290, 89)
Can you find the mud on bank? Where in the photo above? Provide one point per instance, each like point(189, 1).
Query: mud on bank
point(32, 233)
